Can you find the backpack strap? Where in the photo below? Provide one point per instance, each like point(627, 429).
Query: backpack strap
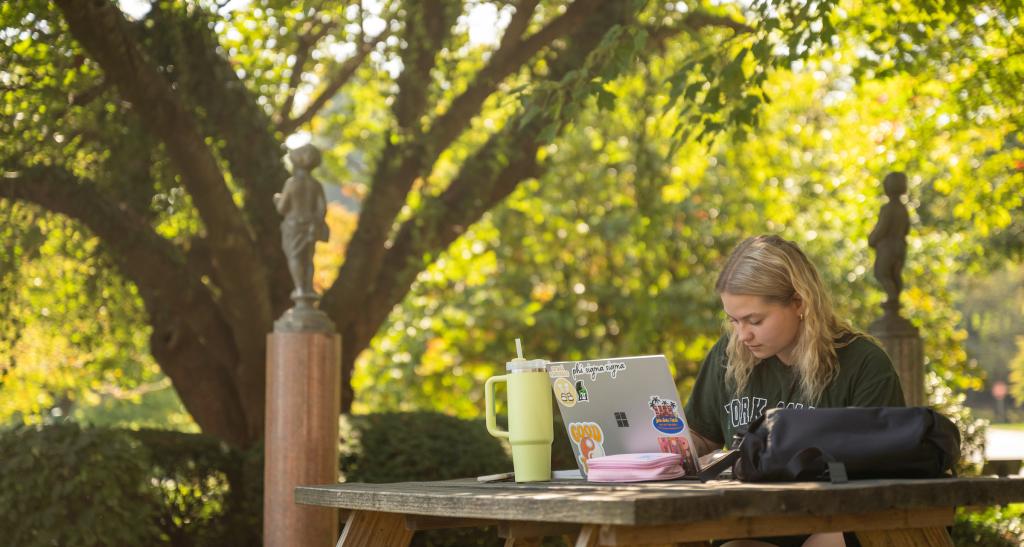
point(719, 466)
point(837, 473)
point(808, 457)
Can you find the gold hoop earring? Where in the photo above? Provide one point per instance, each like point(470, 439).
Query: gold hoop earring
point(801, 317)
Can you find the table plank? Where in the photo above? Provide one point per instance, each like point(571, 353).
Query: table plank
point(912, 537)
point(588, 536)
point(776, 525)
point(648, 504)
point(369, 529)
point(424, 522)
point(523, 542)
point(517, 529)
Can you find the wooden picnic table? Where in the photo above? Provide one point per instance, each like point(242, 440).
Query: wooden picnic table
point(893, 512)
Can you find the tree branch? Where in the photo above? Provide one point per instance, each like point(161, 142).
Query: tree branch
point(151, 262)
point(190, 339)
point(427, 28)
point(307, 41)
point(518, 23)
point(103, 31)
point(403, 163)
point(360, 308)
point(696, 21)
point(485, 180)
point(208, 392)
point(337, 80)
point(88, 95)
point(253, 154)
point(504, 61)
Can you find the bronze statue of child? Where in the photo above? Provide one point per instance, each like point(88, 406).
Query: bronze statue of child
point(888, 238)
point(304, 206)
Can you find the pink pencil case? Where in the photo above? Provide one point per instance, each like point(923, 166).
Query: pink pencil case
point(647, 466)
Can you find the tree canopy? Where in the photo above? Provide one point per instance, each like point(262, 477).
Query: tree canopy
point(576, 181)
point(162, 136)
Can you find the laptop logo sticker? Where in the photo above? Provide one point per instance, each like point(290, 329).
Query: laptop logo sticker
point(621, 420)
point(564, 392)
point(581, 392)
point(589, 438)
point(593, 369)
point(666, 415)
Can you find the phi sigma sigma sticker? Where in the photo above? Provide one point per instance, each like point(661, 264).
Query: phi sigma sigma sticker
point(666, 415)
point(564, 392)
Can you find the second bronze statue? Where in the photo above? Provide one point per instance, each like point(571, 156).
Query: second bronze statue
point(888, 238)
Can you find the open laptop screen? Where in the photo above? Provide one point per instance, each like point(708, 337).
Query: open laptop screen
point(621, 405)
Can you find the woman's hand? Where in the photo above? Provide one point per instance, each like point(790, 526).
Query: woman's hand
point(703, 445)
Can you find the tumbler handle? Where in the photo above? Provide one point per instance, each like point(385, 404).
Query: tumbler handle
point(492, 424)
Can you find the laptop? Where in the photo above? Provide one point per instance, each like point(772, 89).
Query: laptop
point(621, 405)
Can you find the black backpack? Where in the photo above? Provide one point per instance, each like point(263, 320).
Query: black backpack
point(798, 444)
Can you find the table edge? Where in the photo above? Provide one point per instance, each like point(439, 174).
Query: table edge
point(646, 509)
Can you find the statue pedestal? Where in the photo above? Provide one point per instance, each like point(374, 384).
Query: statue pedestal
point(902, 341)
point(301, 446)
point(304, 316)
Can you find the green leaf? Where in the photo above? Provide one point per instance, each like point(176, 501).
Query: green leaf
point(605, 99)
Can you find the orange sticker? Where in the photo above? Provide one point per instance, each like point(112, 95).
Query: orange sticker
point(578, 430)
point(589, 438)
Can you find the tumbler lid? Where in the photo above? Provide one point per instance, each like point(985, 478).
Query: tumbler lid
point(519, 364)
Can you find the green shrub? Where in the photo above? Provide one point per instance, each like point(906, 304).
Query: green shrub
point(422, 446)
point(994, 527)
point(972, 430)
point(66, 485)
point(210, 494)
point(417, 446)
point(69, 485)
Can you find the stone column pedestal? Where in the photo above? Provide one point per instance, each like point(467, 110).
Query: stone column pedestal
point(301, 447)
point(902, 341)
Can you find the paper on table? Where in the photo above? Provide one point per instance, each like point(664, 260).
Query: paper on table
point(557, 474)
point(497, 477)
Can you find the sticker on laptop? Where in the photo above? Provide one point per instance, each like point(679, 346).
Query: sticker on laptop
point(558, 371)
point(593, 369)
point(581, 392)
point(678, 445)
point(666, 415)
point(589, 439)
point(564, 392)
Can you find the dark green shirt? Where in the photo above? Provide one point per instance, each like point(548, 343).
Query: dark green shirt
point(866, 378)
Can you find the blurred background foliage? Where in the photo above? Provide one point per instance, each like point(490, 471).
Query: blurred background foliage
point(72, 342)
point(614, 249)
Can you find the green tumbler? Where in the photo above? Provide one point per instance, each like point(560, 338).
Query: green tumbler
point(530, 426)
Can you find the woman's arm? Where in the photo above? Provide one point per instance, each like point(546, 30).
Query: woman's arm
point(701, 409)
point(703, 445)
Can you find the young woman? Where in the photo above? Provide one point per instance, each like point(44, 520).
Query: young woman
point(784, 347)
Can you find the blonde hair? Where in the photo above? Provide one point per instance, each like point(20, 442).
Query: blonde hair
point(777, 270)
